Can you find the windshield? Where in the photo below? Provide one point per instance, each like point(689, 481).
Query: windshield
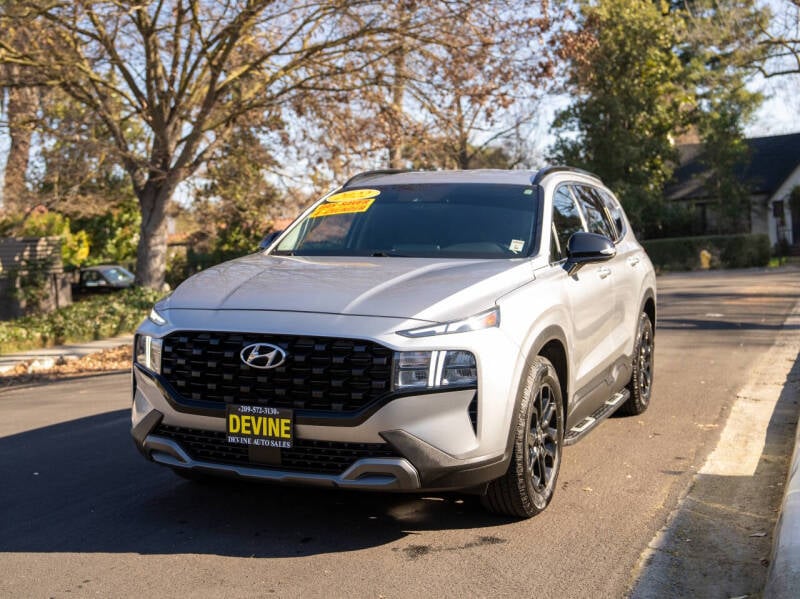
point(451, 220)
point(117, 274)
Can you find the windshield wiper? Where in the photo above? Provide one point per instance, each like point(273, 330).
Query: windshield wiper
point(389, 254)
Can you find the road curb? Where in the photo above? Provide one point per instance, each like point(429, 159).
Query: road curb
point(49, 356)
point(783, 576)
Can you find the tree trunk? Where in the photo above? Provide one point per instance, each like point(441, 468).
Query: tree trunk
point(151, 253)
point(462, 157)
point(397, 136)
point(22, 104)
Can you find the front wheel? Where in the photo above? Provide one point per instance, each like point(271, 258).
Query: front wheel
point(528, 485)
point(641, 383)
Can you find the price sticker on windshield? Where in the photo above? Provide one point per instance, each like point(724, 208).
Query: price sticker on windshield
point(354, 194)
point(342, 207)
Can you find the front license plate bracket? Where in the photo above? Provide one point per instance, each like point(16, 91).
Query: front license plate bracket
point(259, 426)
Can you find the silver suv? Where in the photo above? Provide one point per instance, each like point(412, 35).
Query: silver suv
point(409, 331)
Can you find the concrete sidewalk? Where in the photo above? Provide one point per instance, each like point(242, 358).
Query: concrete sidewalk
point(48, 357)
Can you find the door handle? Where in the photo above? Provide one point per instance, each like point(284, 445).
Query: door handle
point(603, 272)
point(633, 260)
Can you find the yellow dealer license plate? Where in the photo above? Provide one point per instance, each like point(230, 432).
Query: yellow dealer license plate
point(259, 426)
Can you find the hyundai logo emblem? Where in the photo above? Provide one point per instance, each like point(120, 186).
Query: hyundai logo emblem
point(263, 355)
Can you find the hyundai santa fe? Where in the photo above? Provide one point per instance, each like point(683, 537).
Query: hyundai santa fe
point(409, 331)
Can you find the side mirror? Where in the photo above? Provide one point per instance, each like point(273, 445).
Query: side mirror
point(267, 241)
point(585, 248)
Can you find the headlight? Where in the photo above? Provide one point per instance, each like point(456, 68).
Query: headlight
point(156, 318)
point(426, 369)
point(148, 352)
point(484, 320)
point(412, 369)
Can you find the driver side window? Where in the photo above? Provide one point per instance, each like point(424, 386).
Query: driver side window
point(566, 221)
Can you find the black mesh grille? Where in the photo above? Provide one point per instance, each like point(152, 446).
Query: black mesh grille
point(308, 456)
point(320, 373)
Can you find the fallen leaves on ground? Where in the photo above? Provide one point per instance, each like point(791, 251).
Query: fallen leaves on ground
point(108, 360)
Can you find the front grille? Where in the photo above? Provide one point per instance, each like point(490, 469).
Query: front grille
point(307, 456)
point(320, 373)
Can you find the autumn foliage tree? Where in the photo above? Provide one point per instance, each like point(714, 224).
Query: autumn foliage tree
point(187, 72)
point(464, 81)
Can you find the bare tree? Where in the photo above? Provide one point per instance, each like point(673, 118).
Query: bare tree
point(187, 72)
point(781, 41)
point(487, 63)
point(439, 96)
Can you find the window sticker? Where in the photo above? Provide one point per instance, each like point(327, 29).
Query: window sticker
point(516, 245)
point(342, 207)
point(354, 194)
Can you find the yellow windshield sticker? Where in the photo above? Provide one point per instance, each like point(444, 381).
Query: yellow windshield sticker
point(342, 207)
point(354, 194)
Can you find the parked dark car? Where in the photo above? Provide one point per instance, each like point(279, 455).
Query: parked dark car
point(102, 279)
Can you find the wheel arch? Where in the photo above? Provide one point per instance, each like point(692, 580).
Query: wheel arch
point(551, 343)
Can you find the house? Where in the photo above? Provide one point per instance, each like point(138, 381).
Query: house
point(772, 173)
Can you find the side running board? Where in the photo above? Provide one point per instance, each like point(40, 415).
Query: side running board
point(577, 432)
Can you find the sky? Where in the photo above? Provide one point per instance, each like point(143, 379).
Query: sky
point(779, 113)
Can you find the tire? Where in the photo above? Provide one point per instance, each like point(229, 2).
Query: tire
point(641, 383)
point(528, 485)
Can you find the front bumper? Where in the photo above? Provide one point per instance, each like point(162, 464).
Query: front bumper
point(417, 465)
point(439, 439)
point(405, 461)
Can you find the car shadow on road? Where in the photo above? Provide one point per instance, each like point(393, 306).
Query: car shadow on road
point(81, 486)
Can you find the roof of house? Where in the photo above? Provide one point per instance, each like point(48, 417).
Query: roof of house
point(772, 160)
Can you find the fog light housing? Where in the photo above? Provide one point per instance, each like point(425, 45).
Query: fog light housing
point(459, 368)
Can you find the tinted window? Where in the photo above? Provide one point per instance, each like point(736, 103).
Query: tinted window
point(456, 220)
point(117, 274)
point(615, 210)
point(566, 218)
point(596, 219)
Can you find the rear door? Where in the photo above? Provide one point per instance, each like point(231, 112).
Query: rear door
point(628, 272)
point(615, 274)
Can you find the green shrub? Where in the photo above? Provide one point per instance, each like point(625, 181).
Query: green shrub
point(727, 251)
point(96, 317)
point(74, 246)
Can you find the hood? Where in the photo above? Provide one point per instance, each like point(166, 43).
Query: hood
point(422, 288)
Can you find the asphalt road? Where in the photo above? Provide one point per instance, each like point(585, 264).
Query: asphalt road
point(82, 514)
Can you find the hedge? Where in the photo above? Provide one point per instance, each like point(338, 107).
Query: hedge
point(96, 317)
point(727, 251)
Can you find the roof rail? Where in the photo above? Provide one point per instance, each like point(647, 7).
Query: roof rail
point(365, 174)
point(549, 170)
